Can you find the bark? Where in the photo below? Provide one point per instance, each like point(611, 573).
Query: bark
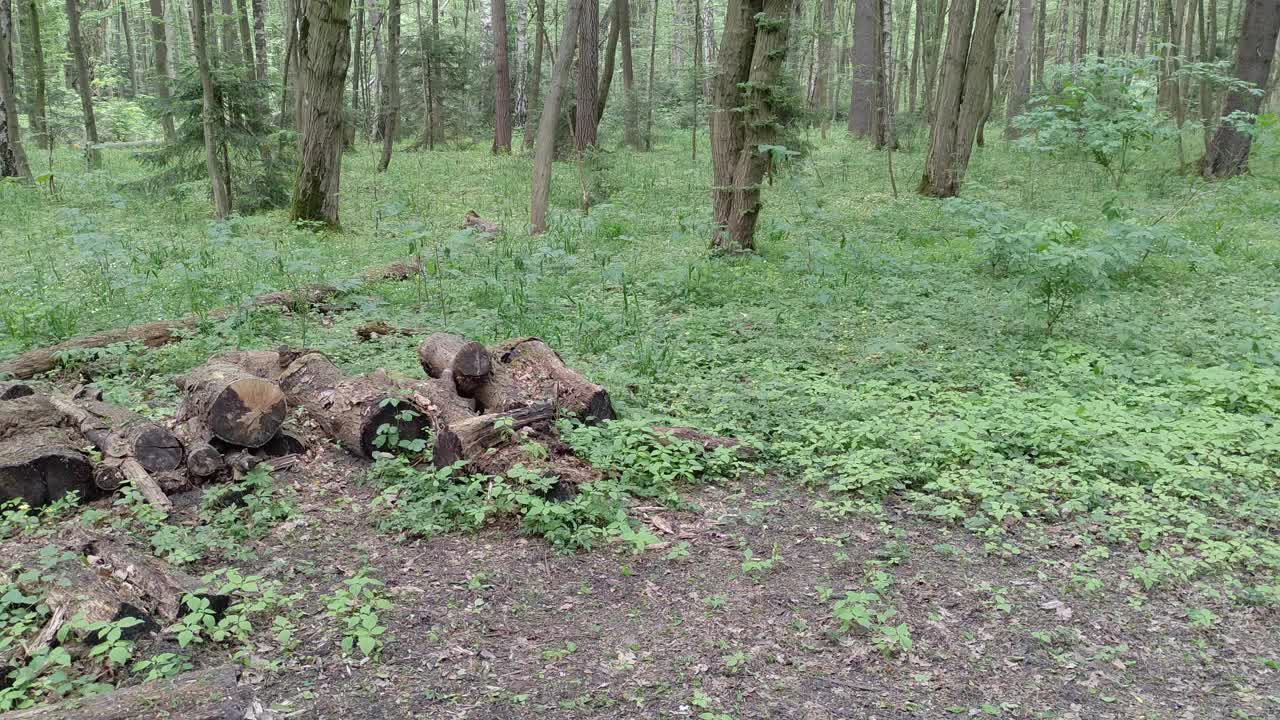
point(754, 54)
point(535, 74)
point(437, 80)
point(501, 81)
point(1040, 44)
point(43, 465)
point(131, 59)
point(260, 40)
point(1020, 82)
point(160, 50)
point(76, 42)
point(962, 94)
point(632, 108)
point(211, 119)
point(550, 117)
point(584, 127)
point(324, 53)
point(38, 113)
point(156, 334)
point(200, 695)
point(246, 39)
point(467, 362)
point(653, 56)
point(391, 85)
point(1102, 27)
point(913, 86)
point(1228, 153)
point(230, 41)
point(467, 440)
point(884, 78)
point(932, 42)
point(226, 402)
point(610, 56)
point(121, 433)
point(13, 160)
point(352, 410)
point(821, 92)
point(862, 97)
point(1082, 32)
point(527, 371)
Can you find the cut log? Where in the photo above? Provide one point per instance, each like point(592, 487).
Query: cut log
point(466, 360)
point(469, 439)
point(159, 587)
point(12, 390)
point(42, 466)
point(155, 334)
point(123, 447)
point(706, 440)
point(203, 460)
point(528, 371)
point(438, 396)
point(231, 404)
point(351, 409)
point(212, 694)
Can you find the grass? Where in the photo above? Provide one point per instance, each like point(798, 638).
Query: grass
point(865, 345)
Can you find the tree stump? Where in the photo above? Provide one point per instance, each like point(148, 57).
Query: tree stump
point(351, 409)
point(231, 404)
point(466, 360)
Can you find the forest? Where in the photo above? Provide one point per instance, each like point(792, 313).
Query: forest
point(714, 359)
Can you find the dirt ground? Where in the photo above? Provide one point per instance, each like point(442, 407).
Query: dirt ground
point(496, 625)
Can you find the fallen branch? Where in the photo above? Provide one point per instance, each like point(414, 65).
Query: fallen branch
point(163, 332)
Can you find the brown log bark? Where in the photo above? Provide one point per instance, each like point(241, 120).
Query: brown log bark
point(156, 334)
point(43, 465)
point(1228, 153)
point(467, 361)
point(467, 440)
point(210, 694)
point(351, 409)
point(29, 412)
point(528, 372)
point(230, 404)
point(437, 396)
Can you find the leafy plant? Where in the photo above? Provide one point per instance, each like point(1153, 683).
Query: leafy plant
point(356, 606)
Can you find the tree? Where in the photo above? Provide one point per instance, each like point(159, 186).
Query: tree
point(390, 102)
point(865, 61)
point(260, 40)
point(535, 76)
point(501, 81)
point(38, 107)
point(1228, 152)
point(13, 161)
point(745, 118)
point(962, 88)
point(632, 108)
point(606, 74)
point(76, 42)
point(653, 55)
point(1020, 80)
point(820, 83)
point(584, 128)
point(215, 149)
point(324, 53)
point(550, 118)
point(160, 50)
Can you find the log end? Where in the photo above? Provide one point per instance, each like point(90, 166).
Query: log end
point(599, 407)
point(387, 415)
point(248, 412)
point(158, 449)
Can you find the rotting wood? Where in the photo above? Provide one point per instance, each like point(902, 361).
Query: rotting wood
point(468, 361)
point(212, 694)
point(528, 371)
point(467, 439)
point(44, 465)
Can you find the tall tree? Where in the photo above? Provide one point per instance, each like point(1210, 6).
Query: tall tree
point(127, 31)
point(437, 78)
point(13, 161)
point(160, 50)
point(535, 73)
point(821, 93)
point(1041, 12)
point(230, 41)
point(1228, 153)
point(632, 108)
point(883, 125)
point(1082, 32)
point(76, 42)
point(862, 97)
point(653, 56)
point(1020, 81)
point(38, 113)
point(962, 88)
point(584, 127)
point(391, 87)
point(324, 52)
point(745, 118)
point(246, 38)
point(260, 39)
point(610, 54)
point(550, 117)
point(501, 80)
point(1102, 27)
point(215, 144)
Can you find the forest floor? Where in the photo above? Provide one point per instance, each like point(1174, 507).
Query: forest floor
point(1076, 524)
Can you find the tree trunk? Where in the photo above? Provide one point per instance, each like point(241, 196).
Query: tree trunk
point(535, 74)
point(1228, 153)
point(550, 117)
point(962, 89)
point(38, 116)
point(324, 52)
point(632, 109)
point(230, 41)
point(527, 372)
point(391, 85)
point(131, 59)
point(653, 56)
point(260, 40)
point(584, 127)
point(501, 80)
point(1040, 45)
point(752, 54)
point(211, 117)
point(913, 87)
point(437, 80)
point(1020, 82)
point(13, 160)
point(862, 98)
point(42, 466)
point(160, 49)
point(610, 56)
point(1082, 32)
point(821, 83)
point(884, 78)
point(246, 39)
point(932, 40)
point(76, 40)
point(1102, 27)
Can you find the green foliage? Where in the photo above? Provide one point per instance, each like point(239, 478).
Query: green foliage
point(1105, 110)
point(355, 606)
